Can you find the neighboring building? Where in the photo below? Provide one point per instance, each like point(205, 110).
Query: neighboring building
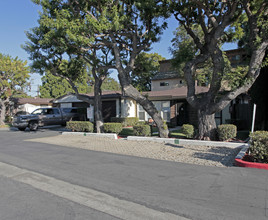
point(167, 78)
point(113, 104)
point(169, 93)
point(28, 105)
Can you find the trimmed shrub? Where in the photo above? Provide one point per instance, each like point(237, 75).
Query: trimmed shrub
point(259, 146)
point(142, 123)
point(80, 126)
point(188, 130)
point(130, 121)
point(8, 119)
point(112, 127)
point(141, 130)
point(226, 131)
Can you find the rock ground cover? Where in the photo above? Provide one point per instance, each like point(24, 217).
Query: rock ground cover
point(201, 155)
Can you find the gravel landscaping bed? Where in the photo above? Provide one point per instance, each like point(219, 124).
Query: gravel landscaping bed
point(201, 155)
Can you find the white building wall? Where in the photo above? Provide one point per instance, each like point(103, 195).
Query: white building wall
point(128, 108)
point(30, 108)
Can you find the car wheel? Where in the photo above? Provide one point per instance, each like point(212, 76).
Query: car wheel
point(33, 126)
point(22, 129)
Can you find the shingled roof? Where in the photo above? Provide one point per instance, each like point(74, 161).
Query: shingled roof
point(35, 100)
point(166, 75)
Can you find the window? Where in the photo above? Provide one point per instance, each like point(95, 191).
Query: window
point(56, 111)
point(166, 110)
point(236, 57)
point(164, 84)
point(141, 113)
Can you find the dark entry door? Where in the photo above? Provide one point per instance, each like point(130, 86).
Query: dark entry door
point(108, 110)
point(181, 113)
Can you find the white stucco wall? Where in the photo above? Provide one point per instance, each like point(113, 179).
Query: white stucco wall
point(30, 108)
point(128, 108)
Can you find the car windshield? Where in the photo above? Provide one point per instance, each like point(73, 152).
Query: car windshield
point(37, 112)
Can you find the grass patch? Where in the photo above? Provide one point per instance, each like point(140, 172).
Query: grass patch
point(126, 132)
point(177, 134)
point(7, 125)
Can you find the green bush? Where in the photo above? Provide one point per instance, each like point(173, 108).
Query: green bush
point(226, 131)
point(259, 146)
point(141, 130)
point(130, 121)
point(112, 127)
point(142, 123)
point(80, 126)
point(188, 130)
point(8, 119)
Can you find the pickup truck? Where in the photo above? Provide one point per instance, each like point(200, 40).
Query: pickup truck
point(45, 116)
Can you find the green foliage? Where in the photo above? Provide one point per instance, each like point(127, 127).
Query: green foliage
point(126, 132)
point(55, 86)
point(146, 67)
point(110, 84)
point(8, 119)
point(80, 126)
point(142, 130)
point(188, 130)
point(14, 76)
point(112, 127)
point(259, 146)
point(129, 121)
point(226, 132)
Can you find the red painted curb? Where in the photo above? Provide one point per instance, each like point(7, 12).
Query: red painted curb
point(242, 163)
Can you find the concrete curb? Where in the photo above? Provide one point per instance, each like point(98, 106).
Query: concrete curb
point(242, 152)
point(9, 129)
point(187, 142)
point(106, 135)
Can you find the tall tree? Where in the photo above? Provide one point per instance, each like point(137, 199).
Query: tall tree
point(105, 34)
point(14, 75)
point(65, 32)
point(55, 86)
point(146, 67)
point(216, 19)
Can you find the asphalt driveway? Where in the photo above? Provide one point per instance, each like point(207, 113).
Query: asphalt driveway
point(186, 190)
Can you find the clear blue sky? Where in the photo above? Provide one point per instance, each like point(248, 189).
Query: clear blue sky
point(18, 16)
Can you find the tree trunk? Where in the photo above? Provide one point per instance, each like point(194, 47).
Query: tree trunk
point(206, 126)
point(149, 107)
point(98, 105)
point(2, 112)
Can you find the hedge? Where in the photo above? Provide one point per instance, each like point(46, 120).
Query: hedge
point(80, 126)
point(259, 146)
point(226, 131)
point(188, 130)
point(112, 127)
point(141, 130)
point(130, 121)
